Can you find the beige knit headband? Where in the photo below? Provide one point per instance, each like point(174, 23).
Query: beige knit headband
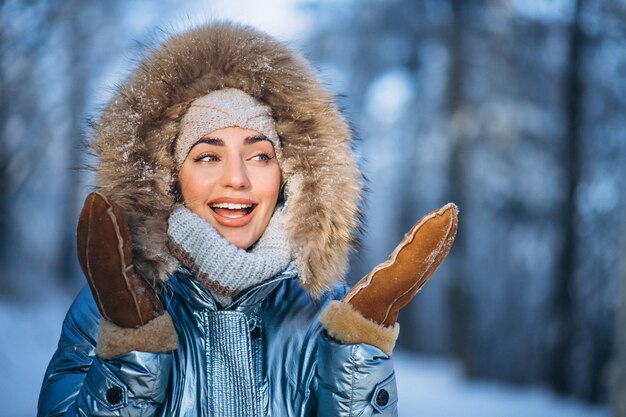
point(219, 109)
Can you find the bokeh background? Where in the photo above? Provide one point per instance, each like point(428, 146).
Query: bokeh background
point(513, 109)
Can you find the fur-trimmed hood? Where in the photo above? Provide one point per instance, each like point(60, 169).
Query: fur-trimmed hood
point(135, 136)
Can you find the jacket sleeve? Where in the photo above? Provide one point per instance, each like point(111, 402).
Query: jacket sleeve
point(78, 383)
point(353, 380)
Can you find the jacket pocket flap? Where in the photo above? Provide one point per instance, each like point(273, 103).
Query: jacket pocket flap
point(105, 387)
point(385, 394)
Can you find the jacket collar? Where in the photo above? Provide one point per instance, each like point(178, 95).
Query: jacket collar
point(187, 287)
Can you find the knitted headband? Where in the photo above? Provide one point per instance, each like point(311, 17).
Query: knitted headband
point(228, 107)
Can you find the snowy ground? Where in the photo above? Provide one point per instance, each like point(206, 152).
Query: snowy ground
point(435, 388)
point(427, 387)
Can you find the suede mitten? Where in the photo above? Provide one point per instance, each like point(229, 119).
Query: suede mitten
point(368, 312)
point(134, 317)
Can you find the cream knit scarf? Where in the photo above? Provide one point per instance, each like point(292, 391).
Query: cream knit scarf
point(220, 266)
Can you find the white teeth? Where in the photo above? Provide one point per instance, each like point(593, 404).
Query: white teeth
point(231, 206)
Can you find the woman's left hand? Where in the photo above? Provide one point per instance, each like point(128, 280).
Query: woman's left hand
point(368, 312)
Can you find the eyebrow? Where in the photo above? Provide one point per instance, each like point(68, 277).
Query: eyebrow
point(219, 142)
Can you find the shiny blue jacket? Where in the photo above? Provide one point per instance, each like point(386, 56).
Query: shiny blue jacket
point(266, 354)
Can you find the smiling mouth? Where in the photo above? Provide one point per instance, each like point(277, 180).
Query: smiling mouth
point(232, 210)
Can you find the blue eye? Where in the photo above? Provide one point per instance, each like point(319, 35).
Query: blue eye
point(207, 157)
point(262, 157)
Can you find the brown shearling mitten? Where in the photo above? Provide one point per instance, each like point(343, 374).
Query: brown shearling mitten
point(368, 312)
point(134, 317)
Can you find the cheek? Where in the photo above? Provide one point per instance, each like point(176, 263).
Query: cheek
point(194, 187)
point(269, 185)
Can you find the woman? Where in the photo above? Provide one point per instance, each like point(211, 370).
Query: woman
point(215, 247)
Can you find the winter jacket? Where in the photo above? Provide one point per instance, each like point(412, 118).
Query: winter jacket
point(286, 365)
point(270, 338)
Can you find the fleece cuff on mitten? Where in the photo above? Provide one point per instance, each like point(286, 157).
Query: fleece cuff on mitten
point(157, 336)
point(348, 326)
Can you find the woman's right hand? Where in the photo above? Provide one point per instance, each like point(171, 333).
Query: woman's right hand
point(105, 256)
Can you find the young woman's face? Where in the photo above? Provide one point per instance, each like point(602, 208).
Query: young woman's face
point(231, 179)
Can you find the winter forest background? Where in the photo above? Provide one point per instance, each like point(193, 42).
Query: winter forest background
point(513, 109)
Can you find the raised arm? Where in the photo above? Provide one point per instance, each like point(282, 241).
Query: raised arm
point(113, 355)
point(355, 371)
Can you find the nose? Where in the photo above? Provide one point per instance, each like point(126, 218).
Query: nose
point(235, 174)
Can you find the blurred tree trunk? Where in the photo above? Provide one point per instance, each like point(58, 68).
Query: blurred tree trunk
point(17, 99)
point(406, 215)
point(618, 383)
point(4, 157)
point(561, 302)
point(618, 363)
point(79, 45)
point(457, 298)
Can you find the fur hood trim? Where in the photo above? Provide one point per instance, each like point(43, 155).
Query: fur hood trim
point(135, 136)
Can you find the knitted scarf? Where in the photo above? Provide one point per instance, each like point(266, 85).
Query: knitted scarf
point(220, 266)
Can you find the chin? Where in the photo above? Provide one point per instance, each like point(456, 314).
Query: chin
point(242, 242)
